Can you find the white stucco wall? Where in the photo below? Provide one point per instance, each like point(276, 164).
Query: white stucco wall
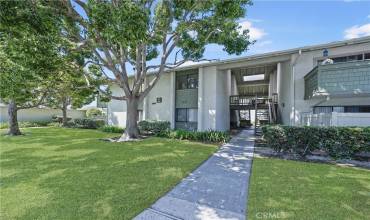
point(285, 93)
point(215, 94)
point(39, 114)
point(161, 111)
point(208, 116)
point(117, 109)
point(164, 111)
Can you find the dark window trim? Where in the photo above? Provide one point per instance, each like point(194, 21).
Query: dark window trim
point(346, 107)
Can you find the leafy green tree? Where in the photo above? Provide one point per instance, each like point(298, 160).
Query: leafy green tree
point(124, 34)
point(29, 54)
point(70, 89)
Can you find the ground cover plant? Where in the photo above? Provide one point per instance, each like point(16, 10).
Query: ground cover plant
point(63, 173)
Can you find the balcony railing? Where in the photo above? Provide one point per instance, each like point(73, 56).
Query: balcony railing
point(240, 100)
point(339, 79)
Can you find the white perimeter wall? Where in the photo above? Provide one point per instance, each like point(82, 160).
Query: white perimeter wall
point(39, 114)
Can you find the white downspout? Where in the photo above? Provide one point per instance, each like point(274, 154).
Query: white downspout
point(294, 62)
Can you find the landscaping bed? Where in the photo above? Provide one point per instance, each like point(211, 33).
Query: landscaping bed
point(337, 145)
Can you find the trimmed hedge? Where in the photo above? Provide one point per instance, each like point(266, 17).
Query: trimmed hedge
point(203, 136)
point(153, 127)
point(59, 119)
point(338, 142)
point(87, 123)
point(27, 124)
point(112, 129)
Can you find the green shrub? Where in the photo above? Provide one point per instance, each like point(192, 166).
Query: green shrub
point(88, 123)
point(203, 136)
point(338, 142)
point(94, 113)
point(59, 119)
point(153, 127)
point(26, 124)
point(112, 129)
point(4, 125)
point(54, 124)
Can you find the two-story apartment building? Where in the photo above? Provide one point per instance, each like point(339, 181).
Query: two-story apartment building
point(326, 84)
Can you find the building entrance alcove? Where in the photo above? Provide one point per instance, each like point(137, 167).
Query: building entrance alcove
point(253, 100)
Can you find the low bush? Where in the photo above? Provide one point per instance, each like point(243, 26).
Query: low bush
point(338, 142)
point(4, 125)
point(87, 123)
point(26, 124)
point(59, 119)
point(153, 127)
point(112, 129)
point(54, 124)
point(203, 136)
point(94, 113)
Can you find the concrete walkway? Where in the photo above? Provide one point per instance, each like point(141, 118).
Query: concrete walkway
point(218, 189)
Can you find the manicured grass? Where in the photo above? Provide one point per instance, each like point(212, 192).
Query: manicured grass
point(281, 189)
point(57, 173)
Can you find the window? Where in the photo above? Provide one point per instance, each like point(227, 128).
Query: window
point(193, 81)
point(358, 109)
point(192, 115)
point(187, 81)
point(367, 56)
point(181, 82)
point(181, 115)
point(348, 58)
point(345, 109)
point(338, 109)
point(186, 115)
point(355, 57)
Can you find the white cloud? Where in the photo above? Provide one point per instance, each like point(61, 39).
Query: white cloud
point(255, 20)
point(254, 32)
point(263, 43)
point(357, 31)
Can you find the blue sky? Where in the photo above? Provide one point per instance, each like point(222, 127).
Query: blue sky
point(279, 25)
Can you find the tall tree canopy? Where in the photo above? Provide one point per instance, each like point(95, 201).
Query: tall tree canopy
point(29, 52)
point(124, 34)
point(36, 57)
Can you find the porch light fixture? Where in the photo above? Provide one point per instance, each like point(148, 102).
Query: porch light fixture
point(325, 53)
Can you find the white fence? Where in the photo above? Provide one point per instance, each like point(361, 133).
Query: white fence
point(39, 114)
point(335, 119)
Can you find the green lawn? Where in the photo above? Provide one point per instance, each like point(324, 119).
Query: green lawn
point(56, 173)
point(282, 189)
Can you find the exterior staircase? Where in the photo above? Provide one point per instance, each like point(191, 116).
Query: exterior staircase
point(265, 108)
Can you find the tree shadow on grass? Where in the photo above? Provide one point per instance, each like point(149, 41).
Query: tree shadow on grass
point(51, 176)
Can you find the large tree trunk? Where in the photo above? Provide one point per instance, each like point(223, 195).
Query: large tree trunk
point(64, 110)
point(131, 130)
point(13, 120)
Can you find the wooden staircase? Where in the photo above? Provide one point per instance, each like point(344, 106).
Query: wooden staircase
point(265, 108)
